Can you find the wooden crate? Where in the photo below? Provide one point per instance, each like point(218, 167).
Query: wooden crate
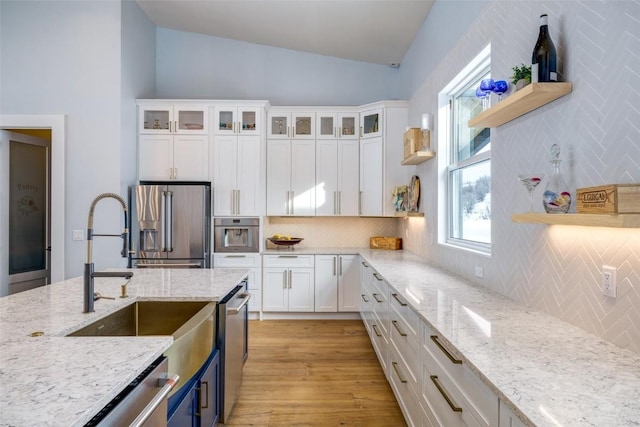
point(609, 199)
point(392, 243)
point(412, 141)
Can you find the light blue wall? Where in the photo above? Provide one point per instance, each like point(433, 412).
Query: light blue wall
point(198, 66)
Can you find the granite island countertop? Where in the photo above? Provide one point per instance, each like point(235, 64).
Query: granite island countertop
point(548, 371)
point(54, 380)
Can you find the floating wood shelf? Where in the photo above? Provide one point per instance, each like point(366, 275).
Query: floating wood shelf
point(591, 220)
point(419, 157)
point(409, 214)
point(520, 103)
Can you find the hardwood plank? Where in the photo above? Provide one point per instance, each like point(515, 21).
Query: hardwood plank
point(313, 373)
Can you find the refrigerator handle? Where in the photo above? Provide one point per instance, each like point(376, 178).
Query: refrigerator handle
point(163, 233)
point(169, 221)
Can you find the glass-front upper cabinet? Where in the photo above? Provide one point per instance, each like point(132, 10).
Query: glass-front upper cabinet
point(371, 123)
point(337, 125)
point(291, 125)
point(178, 119)
point(237, 120)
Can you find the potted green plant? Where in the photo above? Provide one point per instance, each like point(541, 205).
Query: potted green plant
point(521, 76)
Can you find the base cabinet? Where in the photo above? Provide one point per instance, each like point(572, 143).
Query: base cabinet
point(197, 404)
point(251, 261)
point(337, 283)
point(288, 283)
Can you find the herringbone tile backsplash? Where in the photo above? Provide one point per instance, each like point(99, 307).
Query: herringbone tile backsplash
point(552, 268)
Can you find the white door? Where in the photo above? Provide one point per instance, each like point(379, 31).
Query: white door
point(371, 177)
point(303, 177)
point(301, 294)
point(304, 125)
point(371, 123)
point(279, 124)
point(327, 178)
point(347, 124)
point(275, 291)
point(326, 286)
point(224, 174)
point(25, 229)
point(155, 157)
point(191, 157)
point(278, 176)
point(249, 122)
point(348, 173)
point(348, 283)
point(249, 188)
point(326, 126)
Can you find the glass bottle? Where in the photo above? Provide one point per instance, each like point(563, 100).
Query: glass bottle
point(556, 197)
point(543, 61)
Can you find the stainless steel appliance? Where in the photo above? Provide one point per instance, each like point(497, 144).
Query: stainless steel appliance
point(236, 234)
point(143, 402)
point(232, 340)
point(170, 225)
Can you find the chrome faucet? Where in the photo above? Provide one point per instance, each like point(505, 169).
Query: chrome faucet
point(89, 294)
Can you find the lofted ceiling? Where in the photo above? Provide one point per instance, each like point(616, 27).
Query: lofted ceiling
point(377, 31)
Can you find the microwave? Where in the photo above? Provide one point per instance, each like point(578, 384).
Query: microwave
point(236, 234)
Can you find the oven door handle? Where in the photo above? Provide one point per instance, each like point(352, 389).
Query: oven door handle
point(245, 297)
point(166, 385)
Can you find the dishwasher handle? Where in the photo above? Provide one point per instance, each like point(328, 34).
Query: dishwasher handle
point(244, 299)
point(167, 385)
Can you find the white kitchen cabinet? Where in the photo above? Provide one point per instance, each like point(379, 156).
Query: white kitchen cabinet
point(291, 177)
point(381, 156)
point(238, 120)
point(291, 124)
point(237, 188)
point(508, 418)
point(250, 261)
point(288, 283)
point(337, 175)
point(168, 118)
point(173, 157)
point(337, 283)
point(337, 125)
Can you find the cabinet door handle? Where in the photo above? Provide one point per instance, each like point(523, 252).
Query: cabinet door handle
point(290, 279)
point(206, 399)
point(175, 173)
point(395, 368)
point(339, 202)
point(375, 330)
point(284, 279)
point(364, 298)
point(377, 276)
point(334, 266)
point(293, 196)
point(365, 264)
point(340, 267)
point(237, 207)
point(235, 256)
point(360, 203)
point(361, 131)
point(375, 297)
point(434, 338)
point(402, 303)
point(436, 382)
point(395, 325)
point(175, 126)
point(335, 203)
point(287, 256)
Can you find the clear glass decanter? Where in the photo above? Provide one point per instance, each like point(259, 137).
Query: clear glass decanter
point(556, 197)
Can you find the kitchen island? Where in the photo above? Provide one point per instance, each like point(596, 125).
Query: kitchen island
point(53, 380)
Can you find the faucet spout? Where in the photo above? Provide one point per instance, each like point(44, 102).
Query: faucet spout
point(89, 273)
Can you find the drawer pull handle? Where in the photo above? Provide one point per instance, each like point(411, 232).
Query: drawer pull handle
point(434, 338)
point(395, 368)
point(436, 382)
point(395, 324)
point(377, 277)
point(375, 297)
point(364, 298)
point(402, 303)
point(365, 264)
point(287, 256)
point(375, 329)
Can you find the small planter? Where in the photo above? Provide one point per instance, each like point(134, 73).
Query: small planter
point(521, 83)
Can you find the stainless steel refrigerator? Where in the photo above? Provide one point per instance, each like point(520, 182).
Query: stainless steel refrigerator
point(170, 225)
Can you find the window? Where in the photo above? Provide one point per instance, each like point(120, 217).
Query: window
point(468, 165)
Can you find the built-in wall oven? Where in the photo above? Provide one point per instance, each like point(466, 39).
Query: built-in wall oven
point(236, 235)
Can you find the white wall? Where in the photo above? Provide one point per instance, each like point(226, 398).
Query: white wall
point(554, 269)
point(65, 58)
point(198, 66)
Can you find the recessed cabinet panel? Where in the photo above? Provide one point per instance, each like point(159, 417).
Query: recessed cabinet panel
point(237, 120)
point(156, 120)
point(371, 123)
point(279, 126)
point(348, 126)
point(191, 120)
point(303, 125)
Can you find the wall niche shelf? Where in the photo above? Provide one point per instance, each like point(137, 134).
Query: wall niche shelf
point(527, 99)
point(409, 214)
point(418, 157)
point(590, 220)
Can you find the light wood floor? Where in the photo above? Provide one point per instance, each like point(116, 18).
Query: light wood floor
point(313, 373)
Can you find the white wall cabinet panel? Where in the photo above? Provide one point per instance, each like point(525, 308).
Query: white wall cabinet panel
point(337, 175)
point(169, 157)
point(371, 123)
point(236, 182)
point(326, 286)
point(348, 283)
point(168, 118)
point(238, 120)
point(290, 177)
point(371, 177)
point(337, 125)
point(291, 125)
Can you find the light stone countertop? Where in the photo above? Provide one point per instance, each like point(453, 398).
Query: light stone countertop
point(54, 380)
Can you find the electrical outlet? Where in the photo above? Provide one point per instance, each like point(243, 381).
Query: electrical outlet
point(479, 272)
point(609, 281)
point(78, 234)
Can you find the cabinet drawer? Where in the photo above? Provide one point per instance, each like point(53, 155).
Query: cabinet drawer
point(287, 260)
point(479, 404)
point(402, 380)
point(400, 308)
point(407, 348)
point(236, 260)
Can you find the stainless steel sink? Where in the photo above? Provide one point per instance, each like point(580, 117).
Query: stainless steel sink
point(191, 323)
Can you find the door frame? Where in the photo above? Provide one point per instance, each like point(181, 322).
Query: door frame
point(58, 141)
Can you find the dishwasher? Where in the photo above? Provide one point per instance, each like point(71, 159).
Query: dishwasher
point(232, 340)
